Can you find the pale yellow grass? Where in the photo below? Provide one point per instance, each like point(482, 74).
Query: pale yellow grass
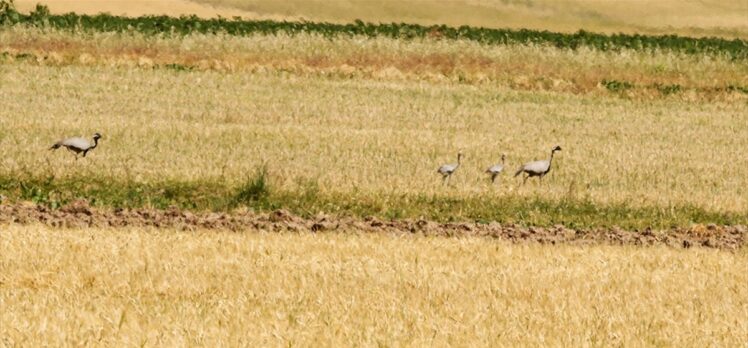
point(699, 18)
point(515, 66)
point(135, 8)
point(369, 137)
point(164, 288)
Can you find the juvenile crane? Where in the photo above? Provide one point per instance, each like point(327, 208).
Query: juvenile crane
point(448, 169)
point(496, 169)
point(537, 168)
point(77, 145)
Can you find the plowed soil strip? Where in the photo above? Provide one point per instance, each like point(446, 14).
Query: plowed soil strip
point(81, 215)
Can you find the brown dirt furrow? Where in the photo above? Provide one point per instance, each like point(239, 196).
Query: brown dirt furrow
point(81, 215)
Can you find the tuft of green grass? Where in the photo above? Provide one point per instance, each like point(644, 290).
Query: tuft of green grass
point(737, 88)
point(254, 191)
point(617, 86)
point(178, 67)
point(668, 89)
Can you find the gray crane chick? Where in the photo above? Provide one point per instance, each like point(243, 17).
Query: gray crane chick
point(448, 169)
point(496, 169)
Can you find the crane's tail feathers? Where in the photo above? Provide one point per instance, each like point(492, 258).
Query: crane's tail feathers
point(55, 146)
point(519, 172)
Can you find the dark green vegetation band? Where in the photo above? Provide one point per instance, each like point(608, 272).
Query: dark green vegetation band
point(152, 25)
point(256, 193)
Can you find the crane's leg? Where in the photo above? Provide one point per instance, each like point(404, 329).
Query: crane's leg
point(525, 180)
point(73, 152)
point(541, 179)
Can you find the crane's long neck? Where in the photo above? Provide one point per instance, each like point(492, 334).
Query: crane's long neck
point(550, 160)
point(459, 158)
point(96, 143)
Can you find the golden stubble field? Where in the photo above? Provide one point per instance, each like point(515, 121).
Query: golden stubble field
point(152, 287)
point(371, 137)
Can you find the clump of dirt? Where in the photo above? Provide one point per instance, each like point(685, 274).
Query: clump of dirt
point(81, 214)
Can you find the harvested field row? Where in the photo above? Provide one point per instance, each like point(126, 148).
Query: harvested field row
point(629, 73)
point(81, 215)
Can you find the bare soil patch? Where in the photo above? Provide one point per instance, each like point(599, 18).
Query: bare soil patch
point(81, 215)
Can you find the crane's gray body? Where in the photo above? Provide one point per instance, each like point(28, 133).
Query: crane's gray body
point(537, 168)
point(448, 169)
point(496, 169)
point(78, 145)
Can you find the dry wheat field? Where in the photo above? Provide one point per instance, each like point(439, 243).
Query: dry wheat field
point(155, 287)
point(278, 190)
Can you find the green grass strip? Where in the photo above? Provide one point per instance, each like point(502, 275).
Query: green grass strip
point(255, 193)
point(165, 25)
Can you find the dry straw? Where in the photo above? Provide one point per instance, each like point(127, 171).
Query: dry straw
point(165, 288)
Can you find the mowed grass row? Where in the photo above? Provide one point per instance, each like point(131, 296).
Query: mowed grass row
point(164, 287)
point(626, 72)
point(368, 141)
